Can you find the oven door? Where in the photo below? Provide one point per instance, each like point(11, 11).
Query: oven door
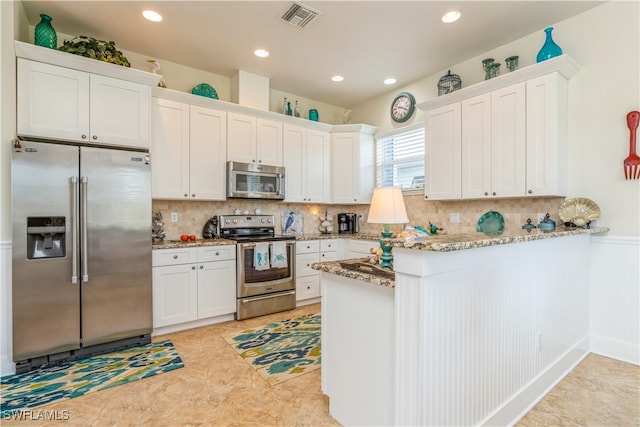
point(252, 282)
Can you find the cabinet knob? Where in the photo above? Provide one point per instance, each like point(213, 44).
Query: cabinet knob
point(94, 137)
point(308, 265)
point(426, 197)
point(253, 160)
point(193, 195)
point(308, 287)
point(201, 267)
point(530, 191)
point(355, 200)
point(323, 255)
point(186, 195)
point(486, 193)
point(84, 136)
point(193, 268)
point(175, 257)
point(217, 253)
point(259, 161)
point(494, 193)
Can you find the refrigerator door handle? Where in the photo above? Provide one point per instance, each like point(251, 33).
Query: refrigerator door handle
point(74, 229)
point(84, 236)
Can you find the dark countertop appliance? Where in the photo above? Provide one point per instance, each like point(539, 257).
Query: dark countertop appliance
point(261, 288)
point(347, 223)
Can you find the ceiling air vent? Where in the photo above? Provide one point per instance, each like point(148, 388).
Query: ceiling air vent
point(299, 15)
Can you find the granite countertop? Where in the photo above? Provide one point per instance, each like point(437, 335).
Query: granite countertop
point(459, 242)
point(334, 267)
point(322, 236)
point(173, 244)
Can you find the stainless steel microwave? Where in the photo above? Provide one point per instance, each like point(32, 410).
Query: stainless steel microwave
point(255, 181)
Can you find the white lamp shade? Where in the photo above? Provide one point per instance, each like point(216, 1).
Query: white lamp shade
point(387, 206)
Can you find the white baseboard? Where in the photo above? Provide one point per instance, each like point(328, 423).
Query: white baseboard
point(615, 349)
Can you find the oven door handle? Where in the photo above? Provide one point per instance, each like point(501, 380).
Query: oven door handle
point(246, 300)
point(253, 245)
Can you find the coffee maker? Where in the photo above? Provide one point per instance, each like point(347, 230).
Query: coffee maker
point(347, 223)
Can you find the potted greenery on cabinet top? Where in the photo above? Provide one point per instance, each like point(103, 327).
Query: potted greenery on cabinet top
point(95, 49)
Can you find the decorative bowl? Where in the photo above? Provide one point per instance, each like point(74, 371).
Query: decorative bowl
point(491, 224)
point(579, 211)
point(205, 89)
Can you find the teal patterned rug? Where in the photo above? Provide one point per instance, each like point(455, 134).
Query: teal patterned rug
point(68, 380)
point(283, 350)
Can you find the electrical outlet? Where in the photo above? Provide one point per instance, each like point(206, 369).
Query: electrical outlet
point(174, 216)
point(454, 218)
point(540, 216)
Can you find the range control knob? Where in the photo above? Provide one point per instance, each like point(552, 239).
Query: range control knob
point(269, 220)
point(235, 221)
point(263, 220)
point(227, 221)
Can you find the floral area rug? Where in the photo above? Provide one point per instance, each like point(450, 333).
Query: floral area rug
point(68, 380)
point(280, 351)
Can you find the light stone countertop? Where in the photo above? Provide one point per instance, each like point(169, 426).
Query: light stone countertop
point(173, 244)
point(322, 236)
point(334, 267)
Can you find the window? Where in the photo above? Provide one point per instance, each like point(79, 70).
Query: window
point(400, 158)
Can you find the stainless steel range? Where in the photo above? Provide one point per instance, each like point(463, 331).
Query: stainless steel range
point(265, 271)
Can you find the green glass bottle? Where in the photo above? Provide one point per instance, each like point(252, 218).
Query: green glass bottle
point(45, 35)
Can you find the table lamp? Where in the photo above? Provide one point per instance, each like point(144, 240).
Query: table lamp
point(387, 207)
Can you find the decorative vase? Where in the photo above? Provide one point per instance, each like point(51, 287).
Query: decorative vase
point(549, 49)
point(45, 35)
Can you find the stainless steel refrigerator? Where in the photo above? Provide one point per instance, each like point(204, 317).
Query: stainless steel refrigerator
point(81, 251)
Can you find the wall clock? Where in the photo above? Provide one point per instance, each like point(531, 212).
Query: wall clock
point(402, 107)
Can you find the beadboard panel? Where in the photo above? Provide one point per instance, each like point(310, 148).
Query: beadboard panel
point(7, 366)
point(614, 305)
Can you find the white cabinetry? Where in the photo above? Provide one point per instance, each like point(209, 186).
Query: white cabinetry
point(252, 139)
point(308, 279)
point(505, 137)
point(193, 284)
point(357, 248)
point(188, 151)
point(352, 164)
point(307, 163)
point(61, 103)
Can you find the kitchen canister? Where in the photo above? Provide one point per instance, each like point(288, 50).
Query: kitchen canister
point(549, 49)
point(44, 34)
point(313, 115)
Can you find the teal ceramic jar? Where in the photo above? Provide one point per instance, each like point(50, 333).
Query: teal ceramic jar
point(313, 115)
point(44, 34)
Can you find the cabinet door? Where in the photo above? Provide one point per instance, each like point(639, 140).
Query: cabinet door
point(303, 264)
point(307, 287)
point(170, 150)
point(294, 138)
point(508, 141)
point(119, 113)
point(476, 147)
point(241, 138)
point(317, 178)
point(443, 152)
point(547, 136)
point(269, 142)
point(207, 154)
point(344, 155)
point(216, 288)
point(52, 101)
point(175, 294)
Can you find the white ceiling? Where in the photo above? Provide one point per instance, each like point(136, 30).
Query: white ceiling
point(364, 41)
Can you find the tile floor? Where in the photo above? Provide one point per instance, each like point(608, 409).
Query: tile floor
point(217, 388)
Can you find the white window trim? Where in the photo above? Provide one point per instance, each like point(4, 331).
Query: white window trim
point(408, 191)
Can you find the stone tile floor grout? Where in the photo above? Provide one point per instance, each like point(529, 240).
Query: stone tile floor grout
point(218, 388)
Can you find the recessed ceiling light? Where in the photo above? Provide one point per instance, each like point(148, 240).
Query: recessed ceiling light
point(337, 78)
point(152, 16)
point(261, 53)
point(451, 16)
point(389, 81)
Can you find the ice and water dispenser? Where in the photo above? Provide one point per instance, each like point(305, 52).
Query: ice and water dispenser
point(46, 237)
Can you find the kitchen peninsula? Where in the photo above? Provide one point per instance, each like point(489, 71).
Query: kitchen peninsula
point(474, 329)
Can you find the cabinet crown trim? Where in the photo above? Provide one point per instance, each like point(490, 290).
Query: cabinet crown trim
point(563, 64)
point(80, 63)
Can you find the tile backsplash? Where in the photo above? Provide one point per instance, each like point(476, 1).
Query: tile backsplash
point(192, 215)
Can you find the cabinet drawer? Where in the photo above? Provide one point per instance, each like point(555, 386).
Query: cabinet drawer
point(328, 256)
point(174, 256)
point(216, 253)
point(307, 287)
point(307, 246)
point(328, 245)
point(362, 246)
point(303, 264)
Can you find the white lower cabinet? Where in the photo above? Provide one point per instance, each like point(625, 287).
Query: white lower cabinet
point(308, 279)
point(193, 284)
point(357, 248)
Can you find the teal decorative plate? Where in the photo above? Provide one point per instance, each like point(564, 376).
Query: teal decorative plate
point(205, 89)
point(491, 224)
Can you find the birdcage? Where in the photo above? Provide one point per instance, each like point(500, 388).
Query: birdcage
point(449, 83)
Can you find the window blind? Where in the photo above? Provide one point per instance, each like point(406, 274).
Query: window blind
point(400, 158)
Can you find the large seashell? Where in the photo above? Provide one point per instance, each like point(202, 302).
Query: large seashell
point(579, 211)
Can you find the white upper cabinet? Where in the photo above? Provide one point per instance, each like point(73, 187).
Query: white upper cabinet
point(505, 137)
point(352, 164)
point(254, 140)
point(188, 151)
point(307, 163)
point(55, 102)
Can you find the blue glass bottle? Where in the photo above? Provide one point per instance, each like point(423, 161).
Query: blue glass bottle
point(44, 34)
point(549, 49)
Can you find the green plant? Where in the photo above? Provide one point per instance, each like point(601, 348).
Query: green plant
point(95, 49)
